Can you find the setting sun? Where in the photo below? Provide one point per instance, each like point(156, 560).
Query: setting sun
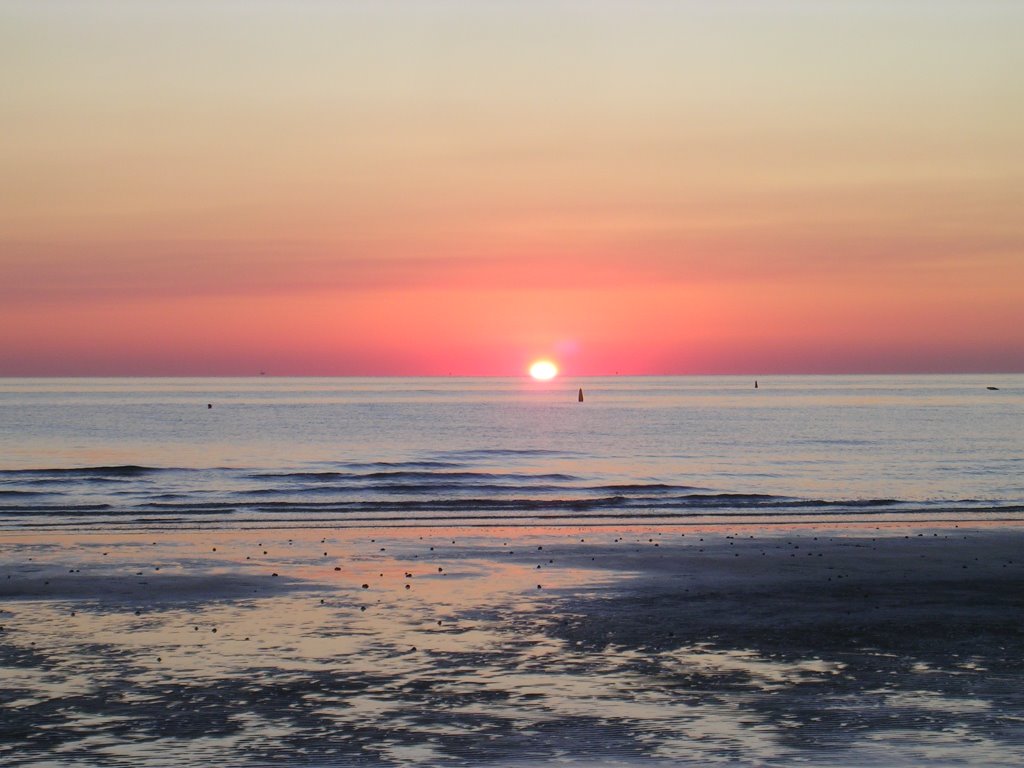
point(543, 370)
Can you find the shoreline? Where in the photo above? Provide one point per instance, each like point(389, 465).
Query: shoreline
point(824, 519)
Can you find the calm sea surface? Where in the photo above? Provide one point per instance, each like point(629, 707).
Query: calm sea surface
point(130, 453)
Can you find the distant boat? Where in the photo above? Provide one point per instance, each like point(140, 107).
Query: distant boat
point(993, 388)
point(581, 395)
point(755, 383)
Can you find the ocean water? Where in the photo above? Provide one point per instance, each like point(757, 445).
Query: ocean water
point(151, 453)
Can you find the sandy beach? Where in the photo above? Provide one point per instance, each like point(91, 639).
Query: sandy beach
point(868, 644)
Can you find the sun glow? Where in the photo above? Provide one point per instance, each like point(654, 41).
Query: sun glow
point(543, 370)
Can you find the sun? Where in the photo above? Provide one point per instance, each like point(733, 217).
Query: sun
point(543, 370)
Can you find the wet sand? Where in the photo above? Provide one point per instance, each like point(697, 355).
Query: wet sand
point(865, 645)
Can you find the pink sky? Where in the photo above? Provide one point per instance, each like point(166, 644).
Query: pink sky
point(392, 188)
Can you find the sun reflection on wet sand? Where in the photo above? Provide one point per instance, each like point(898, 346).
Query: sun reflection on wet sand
point(637, 643)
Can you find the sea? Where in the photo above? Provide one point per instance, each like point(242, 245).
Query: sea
point(173, 453)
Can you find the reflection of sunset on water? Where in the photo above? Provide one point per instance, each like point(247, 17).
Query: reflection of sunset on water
point(628, 627)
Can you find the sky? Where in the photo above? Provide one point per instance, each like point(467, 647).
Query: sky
point(435, 188)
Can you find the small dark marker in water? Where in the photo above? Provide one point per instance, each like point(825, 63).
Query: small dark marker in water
point(209, 405)
point(580, 399)
point(273, 574)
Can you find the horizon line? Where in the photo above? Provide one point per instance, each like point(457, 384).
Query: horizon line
point(502, 376)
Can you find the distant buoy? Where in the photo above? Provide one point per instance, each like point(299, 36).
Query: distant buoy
point(755, 383)
point(209, 405)
point(581, 395)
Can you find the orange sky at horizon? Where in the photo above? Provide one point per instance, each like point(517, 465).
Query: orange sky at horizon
point(456, 188)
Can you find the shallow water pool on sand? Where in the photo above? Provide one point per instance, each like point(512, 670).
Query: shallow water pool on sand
point(641, 645)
